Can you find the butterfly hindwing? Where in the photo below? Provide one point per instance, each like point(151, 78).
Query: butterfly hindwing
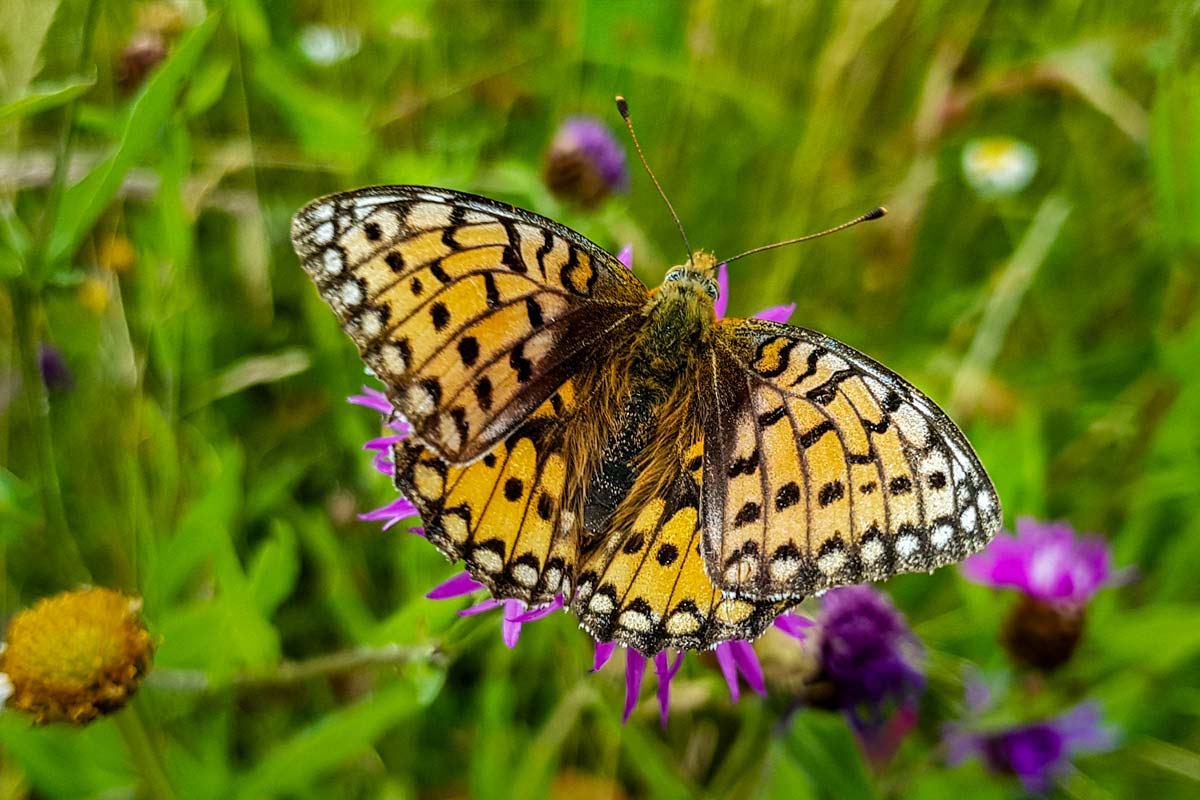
point(502, 515)
point(646, 587)
point(824, 468)
point(472, 312)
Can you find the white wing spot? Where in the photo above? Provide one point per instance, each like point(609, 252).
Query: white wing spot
point(941, 536)
point(968, 518)
point(333, 260)
point(634, 620)
point(488, 560)
point(831, 562)
point(601, 604)
point(323, 234)
point(420, 400)
point(872, 551)
point(906, 545)
point(525, 575)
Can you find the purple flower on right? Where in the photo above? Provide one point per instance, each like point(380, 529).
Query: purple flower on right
point(1058, 572)
point(1037, 753)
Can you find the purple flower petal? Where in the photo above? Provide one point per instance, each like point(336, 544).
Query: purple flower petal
point(383, 444)
point(722, 301)
point(635, 667)
point(777, 313)
point(665, 672)
point(417, 530)
point(460, 584)
point(729, 666)
point(480, 607)
point(540, 611)
point(604, 651)
point(592, 138)
point(1047, 561)
point(626, 256)
point(794, 625)
point(510, 630)
point(372, 398)
point(394, 511)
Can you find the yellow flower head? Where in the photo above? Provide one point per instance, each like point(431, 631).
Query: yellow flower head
point(76, 655)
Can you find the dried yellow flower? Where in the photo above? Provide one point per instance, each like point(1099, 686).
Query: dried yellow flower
point(76, 655)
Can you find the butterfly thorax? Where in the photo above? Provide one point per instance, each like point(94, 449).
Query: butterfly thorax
point(656, 411)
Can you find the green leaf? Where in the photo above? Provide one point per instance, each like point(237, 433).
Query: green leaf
point(1172, 629)
point(83, 203)
point(823, 745)
point(274, 568)
point(45, 97)
point(296, 764)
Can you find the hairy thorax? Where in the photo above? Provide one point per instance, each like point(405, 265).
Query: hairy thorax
point(656, 420)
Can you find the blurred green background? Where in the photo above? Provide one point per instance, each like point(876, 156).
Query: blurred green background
point(205, 458)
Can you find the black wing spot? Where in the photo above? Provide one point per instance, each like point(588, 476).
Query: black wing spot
point(483, 393)
point(814, 434)
point(695, 463)
point(468, 350)
point(489, 460)
point(744, 466)
point(787, 496)
point(522, 365)
point(535, 313)
point(513, 489)
point(396, 262)
point(490, 289)
point(831, 493)
point(633, 544)
point(769, 418)
point(667, 554)
point(937, 480)
point(748, 513)
point(892, 402)
point(545, 507)
point(868, 487)
point(440, 316)
point(901, 485)
point(373, 231)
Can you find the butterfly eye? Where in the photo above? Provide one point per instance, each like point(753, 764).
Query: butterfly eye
point(675, 275)
point(710, 286)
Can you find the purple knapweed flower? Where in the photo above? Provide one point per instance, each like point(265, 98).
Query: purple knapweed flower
point(736, 659)
point(869, 653)
point(1057, 572)
point(1037, 753)
point(585, 163)
point(870, 668)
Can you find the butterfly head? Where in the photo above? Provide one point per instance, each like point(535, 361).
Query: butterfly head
point(696, 276)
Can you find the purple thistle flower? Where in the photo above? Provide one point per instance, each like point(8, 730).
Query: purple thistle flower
point(1036, 753)
point(515, 612)
point(585, 163)
point(1047, 561)
point(1058, 573)
point(869, 655)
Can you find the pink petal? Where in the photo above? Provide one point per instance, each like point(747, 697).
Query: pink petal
point(722, 301)
point(383, 443)
point(417, 530)
point(794, 625)
point(751, 669)
point(604, 651)
point(635, 668)
point(510, 629)
point(777, 313)
point(460, 584)
point(626, 256)
point(479, 608)
point(540, 611)
point(665, 672)
point(394, 511)
point(372, 398)
point(728, 668)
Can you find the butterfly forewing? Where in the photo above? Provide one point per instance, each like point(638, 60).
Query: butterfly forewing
point(824, 468)
point(471, 312)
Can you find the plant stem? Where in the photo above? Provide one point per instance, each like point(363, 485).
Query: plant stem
point(143, 754)
point(288, 673)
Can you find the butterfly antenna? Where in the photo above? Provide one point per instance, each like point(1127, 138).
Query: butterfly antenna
point(623, 109)
point(874, 213)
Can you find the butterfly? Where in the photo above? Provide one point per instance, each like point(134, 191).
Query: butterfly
point(679, 479)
